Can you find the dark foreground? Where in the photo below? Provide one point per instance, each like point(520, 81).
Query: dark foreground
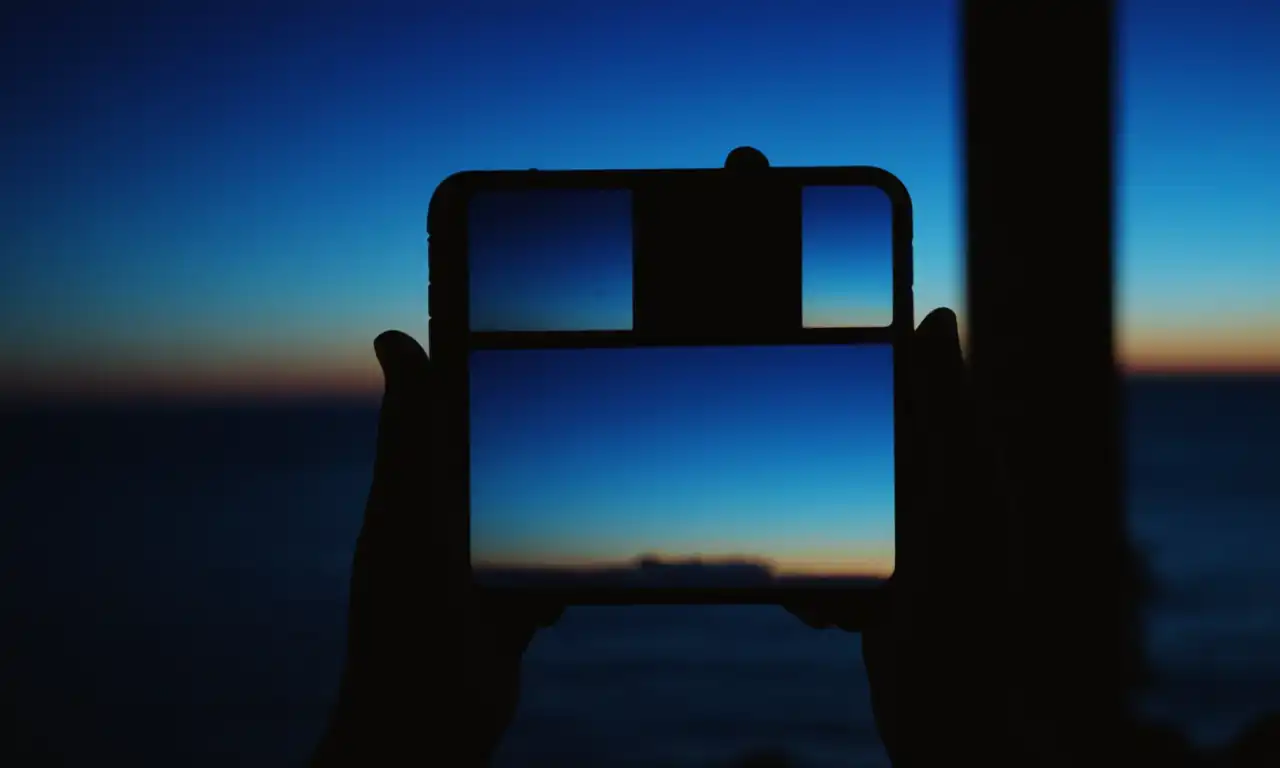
point(191, 612)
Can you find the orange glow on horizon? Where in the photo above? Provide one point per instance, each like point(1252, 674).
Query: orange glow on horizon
point(342, 370)
point(1248, 349)
point(1195, 369)
point(879, 564)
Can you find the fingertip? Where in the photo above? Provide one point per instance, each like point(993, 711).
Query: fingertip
point(941, 323)
point(399, 354)
point(939, 352)
point(384, 348)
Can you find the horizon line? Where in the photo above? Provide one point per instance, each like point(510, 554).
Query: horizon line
point(269, 394)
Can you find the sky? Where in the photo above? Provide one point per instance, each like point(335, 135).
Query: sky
point(231, 197)
point(551, 260)
point(597, 456)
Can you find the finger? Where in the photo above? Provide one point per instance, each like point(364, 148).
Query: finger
point(947, 414)
point(956, 510)
point(942, 324)
point(934, 342)
point(939, 359)
point(383, 552)
point(939, 383)
point(936, 370)
point(404, 427)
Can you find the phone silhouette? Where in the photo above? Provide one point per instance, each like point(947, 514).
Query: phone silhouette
point(674, 386)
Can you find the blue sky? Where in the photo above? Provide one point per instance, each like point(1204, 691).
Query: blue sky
point(551, 260)
point(600, 455)
point(232, 196)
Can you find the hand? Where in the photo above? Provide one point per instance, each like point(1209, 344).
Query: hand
point(422, 681)
point(939, 649)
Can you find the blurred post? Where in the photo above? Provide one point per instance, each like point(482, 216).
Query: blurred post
point(1039, 133)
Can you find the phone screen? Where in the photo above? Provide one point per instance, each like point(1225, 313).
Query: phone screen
point(675, 466)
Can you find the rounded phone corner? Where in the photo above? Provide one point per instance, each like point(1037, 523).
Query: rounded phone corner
point(449, 196)
point(891, 185)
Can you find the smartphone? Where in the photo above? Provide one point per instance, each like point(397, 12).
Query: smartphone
point(674, 386)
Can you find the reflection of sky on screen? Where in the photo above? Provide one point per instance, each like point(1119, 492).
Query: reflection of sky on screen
point(782, 452)
point(848, 257)
point(550, 260)
point(561, 259)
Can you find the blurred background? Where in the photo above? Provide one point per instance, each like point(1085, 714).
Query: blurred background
point(214, 208)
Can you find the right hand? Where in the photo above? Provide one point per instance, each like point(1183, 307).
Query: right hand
point(939, 650)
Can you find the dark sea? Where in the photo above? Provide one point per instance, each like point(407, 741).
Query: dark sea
point(183, 578)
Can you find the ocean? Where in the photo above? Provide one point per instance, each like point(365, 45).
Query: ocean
point(175, 584)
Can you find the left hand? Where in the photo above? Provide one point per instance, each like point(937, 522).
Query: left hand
point(420, 682)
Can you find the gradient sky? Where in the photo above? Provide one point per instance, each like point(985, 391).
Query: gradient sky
point(232, 196)
point(561, 260)
point(847, 255)
point(601, 455)
point(550, 260)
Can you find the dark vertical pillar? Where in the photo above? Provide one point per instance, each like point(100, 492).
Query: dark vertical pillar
point(1039, 134)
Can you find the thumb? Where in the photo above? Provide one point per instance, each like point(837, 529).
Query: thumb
point(402, 359)
point(404, 424)
point(939, 379)
point(939, 340)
